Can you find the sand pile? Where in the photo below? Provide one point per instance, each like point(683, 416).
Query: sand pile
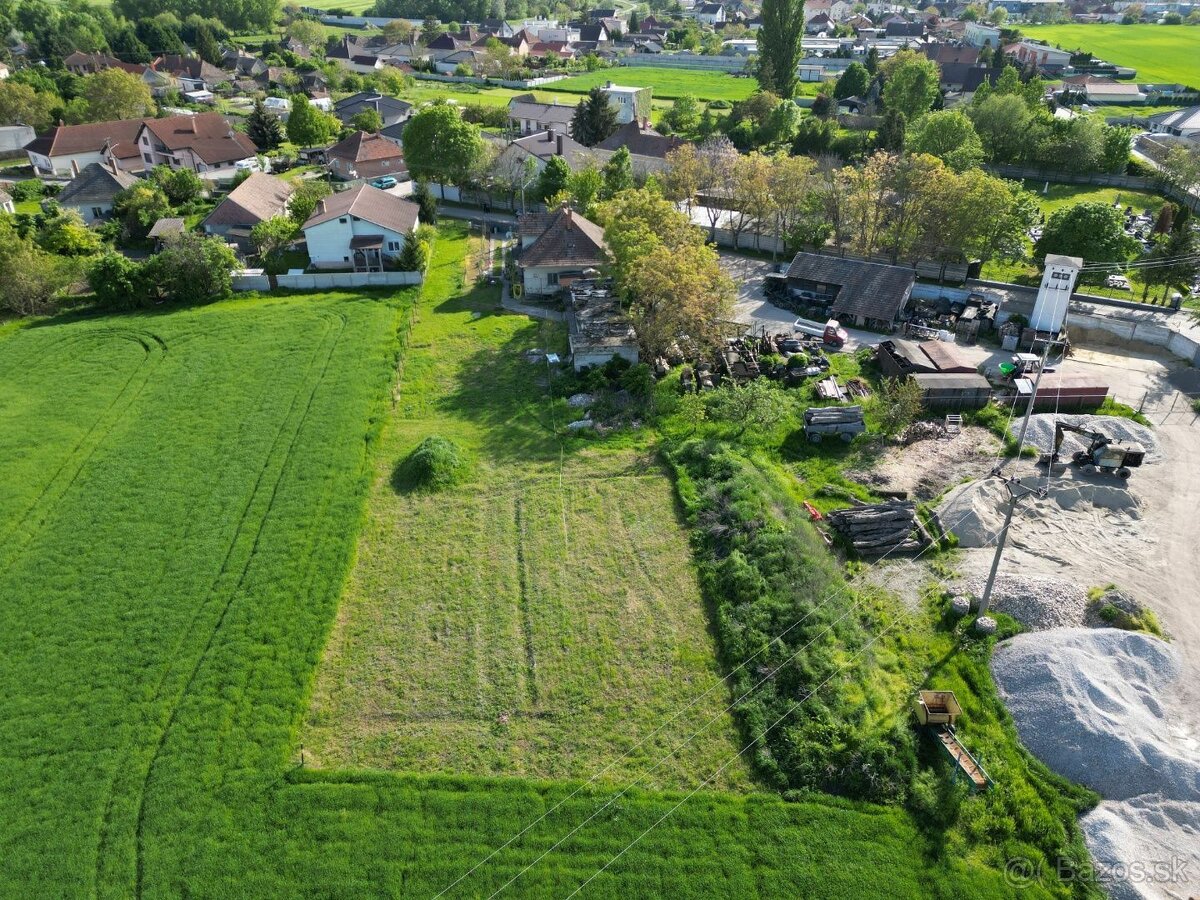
point(1041, 433)
point(1086, 702)
point(1145, 847)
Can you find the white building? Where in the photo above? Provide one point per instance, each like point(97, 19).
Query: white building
point(1054, 295)
point(359, 229)
point(206, 144)
point(632, 103)
point(65, 150)
point(979, 35)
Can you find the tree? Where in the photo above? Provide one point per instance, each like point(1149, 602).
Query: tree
point(595, 118)
point(126, 46)
point(684, 115)
point(585, 188)
point(1174, 256)
point(617, 174)
point(271, 237)
point(757, 405)
point(116, 94)
point(427, 211)
point(65, 234)
point(180, 185)
point(779, 50)
point(414, 256)
point(823, 107)
point(397, 31)
point(207, 47)
point(854, 82)
point(716, 157)
point(192, 269)
point(892, 133)
point(263, 128)
point(308, 126)
point(900, 404)
point(1093, 231)
point(439, 145)
point(753, 206)
point(368, 120)
point(681, 179)
point(139, 207)
point(872, 62)
point(312, 35)
point(116, 281)
point(20, 103)
point(553, 179)
point(948, 135)
point(1181, 168)
point(308, 193)
point(910, 83)
point(1002, 123)
point(30, 278)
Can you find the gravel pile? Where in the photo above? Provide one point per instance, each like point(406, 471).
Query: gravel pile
point(1035, 601)
point(1041, 433)
point(1086, 702)
point(1148, 831)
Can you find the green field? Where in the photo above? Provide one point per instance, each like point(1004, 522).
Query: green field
point(1162, 54)
point(561, 625)
point(667, 84)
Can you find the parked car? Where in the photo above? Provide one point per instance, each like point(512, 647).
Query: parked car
point(1120, 282)
point(384, 182)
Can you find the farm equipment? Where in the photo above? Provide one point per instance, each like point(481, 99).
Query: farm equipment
point(938, 711)
point(831, 333)
point(843, 421)
point(1111, 457)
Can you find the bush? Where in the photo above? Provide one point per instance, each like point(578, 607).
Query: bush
point(437, 463)
point(487, 116)
point(31, 189)
point(720, 104)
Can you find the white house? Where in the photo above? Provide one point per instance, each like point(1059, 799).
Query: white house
point(65, 150)
point(1040, 55)
point(92, 191)
point(709, 13)
point(1181, 122)
point(206, 144)
point(979, 35)
point(632, 103)
point(359, 229)
point(557, 248)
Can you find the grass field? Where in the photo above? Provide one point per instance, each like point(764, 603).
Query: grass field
point(560, 624)
point(667, 84)
point(1162, 54)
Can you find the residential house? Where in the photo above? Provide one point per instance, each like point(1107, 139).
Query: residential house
point(80, 63)
point(314, 84)
point(557, 248)
point(541, 147)
point(594, 33)
point(352, 52)
point(979, 35)
point(498, 27)
point(258, 198)
point(641, 140)
point(818, 24)
point(1180, 122)
point(364, 155)
point(391, 110)
point(862, 294)
point(474, 60)
point(632, 103)
point(295, 47)
point(192, 73)
point(965, 79)
point(905, 30)
point(528, 116)
point(946, 54)
point(242, 64)
point(1041, 55)
point(65, 150)
point(359, 229)
point(858, 21)
point(206, 144)
point(710, 14)
point(92, 191)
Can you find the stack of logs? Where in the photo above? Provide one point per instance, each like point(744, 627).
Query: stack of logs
point(882, 527)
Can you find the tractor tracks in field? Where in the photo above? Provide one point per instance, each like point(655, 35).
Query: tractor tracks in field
point(38, 512)
point(242, 550)
point(524, 599)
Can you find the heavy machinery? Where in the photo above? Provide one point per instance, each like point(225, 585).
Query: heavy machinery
point(1111, 457)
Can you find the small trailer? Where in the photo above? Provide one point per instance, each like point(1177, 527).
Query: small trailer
point(843, 422)
point(938, 711)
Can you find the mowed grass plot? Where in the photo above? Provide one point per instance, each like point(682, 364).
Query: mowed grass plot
point(667, 84)
point(541, 619)
point(1162, 54)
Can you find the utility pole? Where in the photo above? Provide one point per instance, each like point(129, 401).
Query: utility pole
point(1017, 490)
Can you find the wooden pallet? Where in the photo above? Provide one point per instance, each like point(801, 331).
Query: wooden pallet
point(963, 759)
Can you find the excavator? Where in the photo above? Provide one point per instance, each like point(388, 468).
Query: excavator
point(1111, 457)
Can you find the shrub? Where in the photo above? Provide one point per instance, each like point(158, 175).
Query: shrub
point(437, 463)
point(720, 104)
point(26, 190)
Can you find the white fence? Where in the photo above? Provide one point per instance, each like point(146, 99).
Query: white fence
point(254, 280)
point(310, 281)
point(517, 84)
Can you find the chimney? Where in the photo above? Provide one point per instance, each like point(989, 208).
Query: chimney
point(549, 133)
point(558, 146)
point(74, 169)
point(112, 164)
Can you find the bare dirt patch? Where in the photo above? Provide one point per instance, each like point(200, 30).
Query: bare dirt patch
point(927, 468)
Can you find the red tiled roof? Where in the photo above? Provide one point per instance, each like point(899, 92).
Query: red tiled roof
point(363, 147)
point(207, 135)
point(370, 204)
point(63, 140)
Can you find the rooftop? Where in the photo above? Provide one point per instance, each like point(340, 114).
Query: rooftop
point(369, 204)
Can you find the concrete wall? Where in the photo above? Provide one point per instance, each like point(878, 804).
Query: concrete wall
point(13, 139)
point(243, 281)
point(310, 281)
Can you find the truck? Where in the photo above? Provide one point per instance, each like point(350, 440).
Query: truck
point(831, 333)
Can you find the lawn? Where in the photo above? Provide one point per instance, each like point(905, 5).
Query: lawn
point(1162, 54)
point(667, 84)
point(183, 490)
point(544, 616)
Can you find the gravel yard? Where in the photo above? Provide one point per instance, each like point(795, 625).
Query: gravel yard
point(1037, 602)
point(1041, 433)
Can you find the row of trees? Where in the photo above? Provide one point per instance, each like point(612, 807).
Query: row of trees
point(32, 97)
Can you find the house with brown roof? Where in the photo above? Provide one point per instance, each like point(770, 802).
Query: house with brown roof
point(206, 144)
point(258, 198)
point(360, 229)
point(558, 248)
point(65, 150)
point(192, 73)
point(80, 63)
point(641, 140)
point(528, 115)
point(91, 193)
point(364, 155)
